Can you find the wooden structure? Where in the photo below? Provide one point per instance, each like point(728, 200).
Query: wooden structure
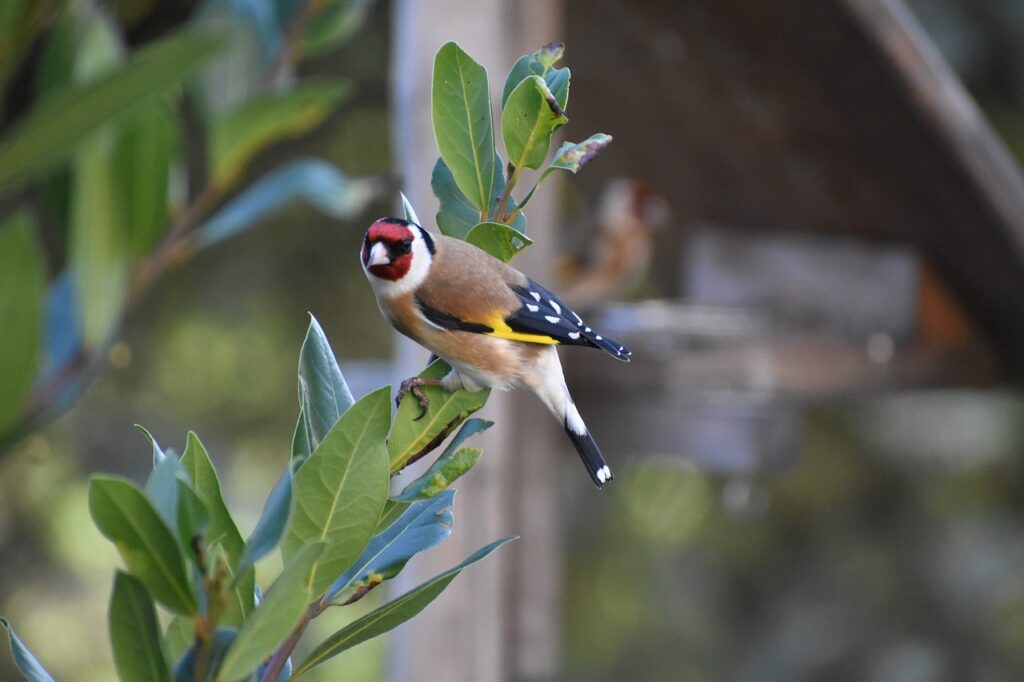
point(822, 117)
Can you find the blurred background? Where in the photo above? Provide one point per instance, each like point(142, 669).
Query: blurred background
point(810, 231)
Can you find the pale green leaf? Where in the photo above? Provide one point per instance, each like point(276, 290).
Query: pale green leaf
point(528, 120)
point(499, 240)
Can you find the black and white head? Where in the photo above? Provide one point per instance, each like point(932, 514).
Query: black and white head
point(396, 256)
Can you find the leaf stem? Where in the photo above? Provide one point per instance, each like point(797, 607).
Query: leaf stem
point(280, 656)
point(499, 214)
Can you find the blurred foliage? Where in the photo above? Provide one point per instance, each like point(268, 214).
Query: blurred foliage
point(121, 158)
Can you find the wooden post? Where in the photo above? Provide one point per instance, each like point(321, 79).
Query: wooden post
point(499, 620)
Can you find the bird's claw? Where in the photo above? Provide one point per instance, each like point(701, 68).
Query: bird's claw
point(414, 386)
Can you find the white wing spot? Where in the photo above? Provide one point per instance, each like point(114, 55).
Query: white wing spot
point(558, 308)
point(598, 337)
point(535, 295)
point(587, 329)
point(574, 335)
point(602, 475)
point(532, 308)
point(579, 320)
point(552, 319)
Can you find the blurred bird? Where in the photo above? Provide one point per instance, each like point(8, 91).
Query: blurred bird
point(496, 327)
point(617, 253)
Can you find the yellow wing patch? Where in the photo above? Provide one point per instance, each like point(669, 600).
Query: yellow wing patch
point(502, 330)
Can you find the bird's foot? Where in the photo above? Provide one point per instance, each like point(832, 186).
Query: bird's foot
point(415, 386)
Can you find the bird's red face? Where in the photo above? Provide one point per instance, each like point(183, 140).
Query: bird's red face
point(387, 249)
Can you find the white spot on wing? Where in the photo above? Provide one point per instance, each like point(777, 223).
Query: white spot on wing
point(532, 308)
point(602, 475)
point(587, 329)
point(535, 295)
point(579, 320)
point(558, 308)
point(574, 335)
point(552, 319)
point(598, 337)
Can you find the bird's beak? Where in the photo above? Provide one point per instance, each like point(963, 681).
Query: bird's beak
point(378, 255)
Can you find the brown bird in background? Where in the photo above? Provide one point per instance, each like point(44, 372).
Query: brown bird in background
point(616, 255)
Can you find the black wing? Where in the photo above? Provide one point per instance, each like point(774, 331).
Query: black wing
point(544, 313)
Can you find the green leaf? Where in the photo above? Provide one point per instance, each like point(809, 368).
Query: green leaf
point(179, 636)
point(333, 24)
point(125, 517)
point(341, 489)
point(461, 112)
point(391, 615)
point(162, 490)
point(425, 524)
point(393, 510)
point(540, 63)
point(267, 118)
point(412, 438)
point(135, 633)
point(145, 149)
point(323, 394)
point(28, 665)
point(272, 524)
point(571, 156)
point(529, 118)
point(456, 216)
point(452, 464)
point(22, 283)
point(410, 212)
point(222, 528)
point(193, 519)
point(274, 618)
point(301, 449)
point(52, 131)
point(501, 241)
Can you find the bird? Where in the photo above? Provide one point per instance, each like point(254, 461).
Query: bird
point(494, 326)
point(616, 254)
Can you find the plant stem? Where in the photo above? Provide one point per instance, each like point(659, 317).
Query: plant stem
point(280, 657)
point(499, 214)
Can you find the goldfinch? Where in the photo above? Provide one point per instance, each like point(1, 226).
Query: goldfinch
point(492, 324)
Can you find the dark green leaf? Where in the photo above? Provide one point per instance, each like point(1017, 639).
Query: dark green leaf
point(341, 489)
point(272, 524)
point(501, 241)
point(529, 118)
point(456, 216)
point(412, 438)
point(390, 615)
point(425, 524)
point(124, 515)
point(193, 519)
point(22, 279)
point(452, 464)
point(274, 618)
point(28, 665)
point(265, 119)
point(222, 529)
point(312, 180)
point(461, 112)
point(134, 632)
point(323, 394)
point(53, 129)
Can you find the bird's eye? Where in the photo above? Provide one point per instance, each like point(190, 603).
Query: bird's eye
point(401, 248)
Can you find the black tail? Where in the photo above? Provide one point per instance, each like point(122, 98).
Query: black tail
point(584, 443)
